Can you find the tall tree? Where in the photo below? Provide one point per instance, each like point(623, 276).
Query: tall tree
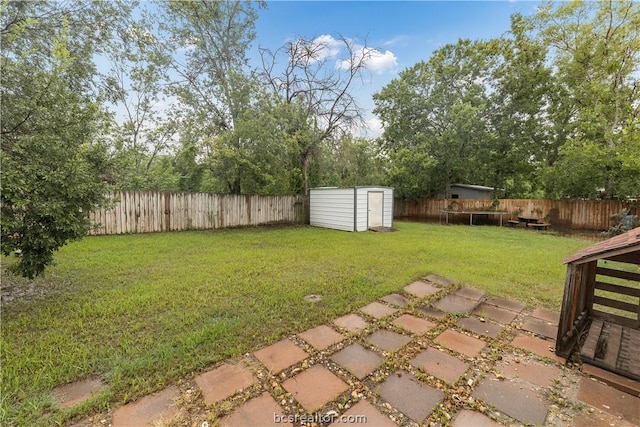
point(595, 48)
point(135, 91)
point(51, 158)
point(209, 43)
point(312, 80)
point(435, 111)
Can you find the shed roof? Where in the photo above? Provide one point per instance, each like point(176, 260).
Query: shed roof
point(473, 187)
point(624, 247)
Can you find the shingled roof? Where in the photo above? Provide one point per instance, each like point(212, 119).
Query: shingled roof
point(624, 247)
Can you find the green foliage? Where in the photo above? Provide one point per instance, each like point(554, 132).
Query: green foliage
point(51, 160)
point(550, 109)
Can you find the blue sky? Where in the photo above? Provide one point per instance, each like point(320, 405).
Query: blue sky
point(402, 32)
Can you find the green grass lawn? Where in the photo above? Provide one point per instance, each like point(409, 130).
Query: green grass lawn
point(141, 311)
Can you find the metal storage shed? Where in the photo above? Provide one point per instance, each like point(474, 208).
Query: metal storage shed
point(352, 208)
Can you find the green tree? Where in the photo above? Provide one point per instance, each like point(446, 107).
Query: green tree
point(52, 160)
point(435, 113)
point(312, 83)
point(595, 50)
point(208, 42)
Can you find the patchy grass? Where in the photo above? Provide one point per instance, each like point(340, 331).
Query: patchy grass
point(141, 311)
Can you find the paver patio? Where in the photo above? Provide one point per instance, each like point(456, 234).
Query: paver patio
point(484, 369)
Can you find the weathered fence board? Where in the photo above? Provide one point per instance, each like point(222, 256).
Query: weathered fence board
point(561, 214)
point(151, 211)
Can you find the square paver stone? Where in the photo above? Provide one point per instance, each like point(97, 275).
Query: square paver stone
point(531, 371)
point(363, 413)
point(470, 293)
point(455, 304)
point(495, 313)
point(546, 315)
point(613, 401)
point(223, 382)
point(439, 364)
point(432, 312)
point(75, 393)
point(521, 403)
point(395, 299)
point(410, 396)
point(321, 337)
point(351, 323)
point(414, 324)
point(439, 280)
point(464, 344)
point(315, 387)
point(537, 345)
point(506, 304)
point(378, 310)
point(421, 289)
point(148, 410)
point(481, 328)
point(357, 360)
point(280, 355)
point(467, 418)
point(261, 411)
point(387, 340)
point(540, 327)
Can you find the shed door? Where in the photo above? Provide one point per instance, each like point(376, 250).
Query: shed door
point(375, 203)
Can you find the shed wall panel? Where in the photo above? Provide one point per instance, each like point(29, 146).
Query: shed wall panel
point(332, 208)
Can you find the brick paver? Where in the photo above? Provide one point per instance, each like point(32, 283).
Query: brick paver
point(439, 364)
point(75, 393)
point(537, 345)
point(470, 293)
point(439, 280)
point(616, 381)
point(540, 327)
point(498, 314)
point(455, 304)
point(414, 324)
point(481, 328)
point(148, 410)
point(363, 413)
point(315, 387)
point(223, 382)
point(387, 340)
point(615, 402)
point(546, 315)
point(410, 396)
point(395, 299)
point(280, 355)
point(261, 411)
point(467, 418)
point(321, 337)
point(378, 310)
point(456, 341)
point(432, 312)
point(506, 304)
point(351, 323)
point(358, 360)
point(521, 403)
point(534, 372)
point(421, 289)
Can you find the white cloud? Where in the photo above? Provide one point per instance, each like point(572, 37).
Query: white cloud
point(372, 128)
point(376, 61)
point(380, 62)
point(321, 48)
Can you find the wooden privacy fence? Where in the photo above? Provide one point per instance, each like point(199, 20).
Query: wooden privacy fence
point(561, 214)
point(151, 211)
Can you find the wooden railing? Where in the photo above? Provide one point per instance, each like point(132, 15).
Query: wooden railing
point(630, 311)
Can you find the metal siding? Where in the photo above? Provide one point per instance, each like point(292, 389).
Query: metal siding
point(332, 208)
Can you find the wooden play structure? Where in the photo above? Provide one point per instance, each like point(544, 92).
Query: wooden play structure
point(601, 305)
